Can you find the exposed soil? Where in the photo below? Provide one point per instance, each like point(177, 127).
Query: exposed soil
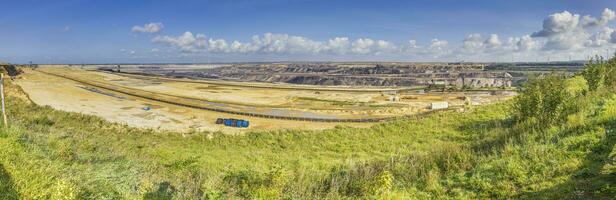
point(68, 95)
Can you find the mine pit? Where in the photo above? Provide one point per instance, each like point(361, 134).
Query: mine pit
point(195, 100)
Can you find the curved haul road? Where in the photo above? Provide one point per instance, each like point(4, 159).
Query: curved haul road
point(200, 104)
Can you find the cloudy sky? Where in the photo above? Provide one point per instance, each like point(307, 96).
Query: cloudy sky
point(90, 31)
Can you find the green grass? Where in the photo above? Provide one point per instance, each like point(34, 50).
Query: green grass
point(49, 154)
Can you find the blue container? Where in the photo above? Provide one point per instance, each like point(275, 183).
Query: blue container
point(238, 123)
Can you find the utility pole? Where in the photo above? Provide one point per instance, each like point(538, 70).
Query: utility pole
point(2, 94)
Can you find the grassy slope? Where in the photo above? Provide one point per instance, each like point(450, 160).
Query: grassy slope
point(53, 154)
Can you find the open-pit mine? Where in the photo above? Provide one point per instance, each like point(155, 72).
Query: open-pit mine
point(270, 96)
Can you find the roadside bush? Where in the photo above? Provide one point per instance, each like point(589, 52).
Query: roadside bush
point(542, 101)
point(600, 73)
point(383, 184)
point(594, 72)
point(610, 78)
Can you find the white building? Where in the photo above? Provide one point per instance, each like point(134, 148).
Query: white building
point(439, 105)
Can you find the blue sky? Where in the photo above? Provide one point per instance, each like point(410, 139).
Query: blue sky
point(303, 30)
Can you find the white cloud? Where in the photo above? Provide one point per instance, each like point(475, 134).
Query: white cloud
point(524, 43)
point(606, 16)
point(218, 46)
point(566, 41)
point(270, 43)
point(413, 44)
point(187, 42)
point(412, 47)
point(601, 38)
point(148, 28)
point(383, 45)
point(283, 44)
point(437, 48)
point(338, 45)
point(370, 46)
point(568, 31)
point(239, 47)
point(563, 33)
point(493, 42)
point(558, 23)
point(475, 43)
point(362, 46)
point(439, 45)
point(155, 50)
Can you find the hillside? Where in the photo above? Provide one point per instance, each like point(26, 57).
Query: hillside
point(556, 140)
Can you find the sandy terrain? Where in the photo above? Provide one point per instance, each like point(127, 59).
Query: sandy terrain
point(68, 95)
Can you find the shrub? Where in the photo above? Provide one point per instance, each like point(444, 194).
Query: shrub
point(599, 74)
point(542, 101)
point(383, 184)
point(594, 72)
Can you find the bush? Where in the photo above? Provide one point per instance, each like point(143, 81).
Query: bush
point(383, 184)
point(610, 71)
point(594, 72)
point(599, 74)
point(542, 101)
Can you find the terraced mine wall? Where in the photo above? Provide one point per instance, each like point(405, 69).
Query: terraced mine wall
point(391, 75)
point(156, 77)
